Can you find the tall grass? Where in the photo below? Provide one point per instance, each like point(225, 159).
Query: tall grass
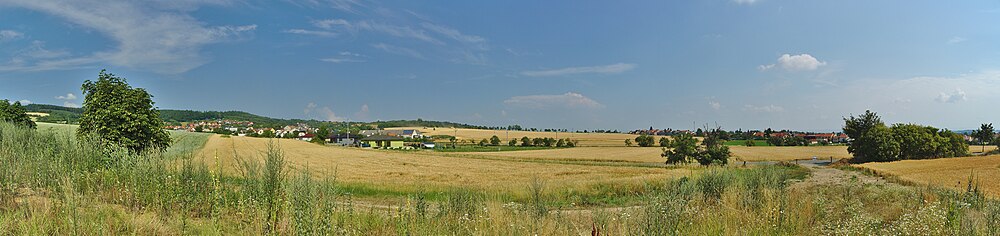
point(51, 183)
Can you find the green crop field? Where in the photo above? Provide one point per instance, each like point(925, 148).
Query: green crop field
point(744, 143)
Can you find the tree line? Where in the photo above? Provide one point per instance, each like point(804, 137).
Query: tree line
point(874, 141)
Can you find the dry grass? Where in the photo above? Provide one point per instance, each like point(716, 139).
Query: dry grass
point(952, 173)
point(586, 139)
point(769, 153)
point(979, 148)
point(605, 154)
point(421, 169)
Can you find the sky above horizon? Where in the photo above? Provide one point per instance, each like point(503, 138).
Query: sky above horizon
point(741, 64)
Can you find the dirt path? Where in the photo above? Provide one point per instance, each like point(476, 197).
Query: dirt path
point(824, 175)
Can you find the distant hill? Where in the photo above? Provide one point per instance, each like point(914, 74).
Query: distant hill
point(59, 114)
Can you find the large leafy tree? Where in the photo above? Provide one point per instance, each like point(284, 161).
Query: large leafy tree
point(985, 135)
point(857, 127)
point(877, 144)
point(15, 114)
point(682, 149)
point(116, 113)
point(645, 140)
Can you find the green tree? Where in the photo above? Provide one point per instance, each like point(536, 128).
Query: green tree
point(321, 140)
point(681, 150)
point(952, 144)
point(15, 114)
point(561, 143)
point(985, 135)
point(876, 144)
point(484, 142)
point(323, 132)
point(664, 142)
point(199, 129)
point(512, 142)
point(916, 141)
point(268, 134)
point(628, 142)
point(118, 114)
point(495, 141)
point(645, 140)
point(856, 127)
point(452, 139)
point(525, 141)
point(749, 143)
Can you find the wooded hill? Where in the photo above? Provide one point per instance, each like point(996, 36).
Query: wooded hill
point(59, 114)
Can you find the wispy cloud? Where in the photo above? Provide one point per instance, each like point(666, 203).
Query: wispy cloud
point(8, 35)
point(747, 2)
point(158, 37)
point(398, 50)
point(345, 56)
point(311, 32)
point(321, 113)
point(765, 108)
point(801, 62)
point(363, 113)
point(453, 33)
point(567, 100)
point(956, 39)
point(715, 105)
point(605, 69)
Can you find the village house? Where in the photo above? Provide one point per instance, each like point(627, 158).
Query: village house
point(383, 141)
point(306, 137)
point(344, 139)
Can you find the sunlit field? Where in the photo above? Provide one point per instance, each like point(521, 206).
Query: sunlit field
point(53, 184)
point(953, 173)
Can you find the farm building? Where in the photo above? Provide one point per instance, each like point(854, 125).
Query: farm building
point(306, 137)
point(383, 141)
point(344, 139)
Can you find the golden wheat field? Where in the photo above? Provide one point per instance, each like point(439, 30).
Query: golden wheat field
point(652, 154)
point(586, 139)
point(411, 169)
point(946, 172)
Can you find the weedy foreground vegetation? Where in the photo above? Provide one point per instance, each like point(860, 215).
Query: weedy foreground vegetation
point(52, 183)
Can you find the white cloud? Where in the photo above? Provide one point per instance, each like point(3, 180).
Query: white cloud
point(321, 113)
point(765, 108)
point(398, 50)
point(7, 35)
point(453, 33)
point(567, 100)
point(956, 39)
point(957, 96)
point(363, 113)
point(311, 32)
point(71, 104)
point(748, 2)
point(605, 69)
point(25, 102)
point(68, 96)
point(345, 57)
point(801, 62)
point(715, 105)
point(340, 60)
point(159, 37)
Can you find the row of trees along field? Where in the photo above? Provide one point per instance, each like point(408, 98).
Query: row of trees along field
point(874, 141)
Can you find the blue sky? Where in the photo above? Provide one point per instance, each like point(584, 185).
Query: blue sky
point(748, 64)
